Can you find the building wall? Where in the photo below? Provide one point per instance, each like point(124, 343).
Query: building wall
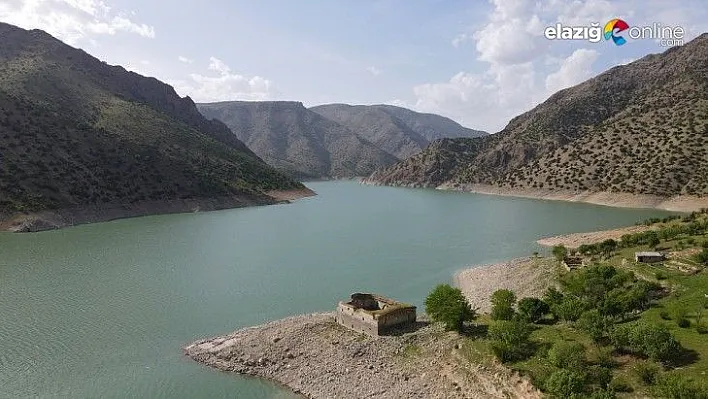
point(402, 316)
point(366, 323)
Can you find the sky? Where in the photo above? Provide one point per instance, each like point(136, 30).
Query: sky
point(478, 62)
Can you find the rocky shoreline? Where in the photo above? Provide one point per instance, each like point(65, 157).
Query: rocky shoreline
point(56, 219)
point(318, 358)
point(679, 203)
point(527, 277)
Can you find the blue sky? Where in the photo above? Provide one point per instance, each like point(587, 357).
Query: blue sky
point(478, 62)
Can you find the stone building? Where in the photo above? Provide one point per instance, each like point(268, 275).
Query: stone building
point(374, 314)
point(649, 257)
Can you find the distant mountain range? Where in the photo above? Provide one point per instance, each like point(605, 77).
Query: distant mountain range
point(75, 131)
point(335, 140)
point(640, 128)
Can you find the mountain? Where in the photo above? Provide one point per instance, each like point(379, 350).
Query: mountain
point(76, 132)
point(298, 141)
point(640, 128)
point(398, 131)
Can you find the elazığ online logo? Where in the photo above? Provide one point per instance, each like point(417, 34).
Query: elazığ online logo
point(614, 30)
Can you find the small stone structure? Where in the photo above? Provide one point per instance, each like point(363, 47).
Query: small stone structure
point(649, 257)
point(573, 262)
point(374, 314)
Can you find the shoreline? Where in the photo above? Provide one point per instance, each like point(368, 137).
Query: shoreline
point(575, 240)
point(315, 357)
point(66, 217)
point(678, 203)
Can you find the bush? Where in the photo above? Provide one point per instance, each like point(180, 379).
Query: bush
point(448, 305)
point(674, 386)
point(599, 376)
point(652, 340)
point(661, 275)
point(532, 309)
point(702, 257)
point(559, 252)
point(565, 383)
point(664, 314)
point(553, 296)
point(619, 384)
point(567, 355)
point(570, 309)
point(503, 302)
point(683, 323)
point(593, 323)
point(510, 339)
point(702, 328)
point(647, 372)
point(603, 394)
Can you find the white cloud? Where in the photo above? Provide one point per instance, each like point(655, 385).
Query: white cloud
point(225, 86)
point(574, 69)
point(71, 20)
point(461, 39)
point(373, 70)
point(185, 59)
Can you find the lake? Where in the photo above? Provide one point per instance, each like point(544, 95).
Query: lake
point(103, 310)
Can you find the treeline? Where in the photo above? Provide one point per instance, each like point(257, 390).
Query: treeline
point(651, 238)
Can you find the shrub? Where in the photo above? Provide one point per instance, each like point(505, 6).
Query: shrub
point(593, 323)
point(599, 376)
point(532, 309)
point(652, 340)
point(646, 372)
point(664, 314)
point(702, 328)
point(503, 305)
point(619, 384)
point(449, 306)
point(683, 323)
point(603, 394)
point(569, 309)
point(510, 339)
point(702, 257)
point(674, 386)
point(554, 297)
point(661, 275)
point(567, 355)
point(559, 252)
point(565, 383)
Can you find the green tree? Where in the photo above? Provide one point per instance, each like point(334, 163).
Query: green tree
point(594, 324)
point(569, 309)
point(567, 355)
point(510, 339)
point(702, 257)
point(565, 383)
point(652, 239)
point(503, 302)
point(532, 309)
point(559, 252)
point(448, 305)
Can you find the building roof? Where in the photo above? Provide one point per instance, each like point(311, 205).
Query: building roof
point(648, 254)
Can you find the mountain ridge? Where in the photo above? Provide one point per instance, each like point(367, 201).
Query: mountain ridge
point(77, 132)
point(597, 136)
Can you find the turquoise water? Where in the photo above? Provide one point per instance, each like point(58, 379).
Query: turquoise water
point(103, 310)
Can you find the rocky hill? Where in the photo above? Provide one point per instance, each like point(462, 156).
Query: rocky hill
point(398, 131)
point(298, 141)
point(640, 128)
point(77, 132)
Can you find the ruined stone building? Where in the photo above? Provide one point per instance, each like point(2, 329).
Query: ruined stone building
point(374, 314)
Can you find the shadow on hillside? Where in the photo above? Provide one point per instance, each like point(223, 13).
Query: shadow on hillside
point(686, 357)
